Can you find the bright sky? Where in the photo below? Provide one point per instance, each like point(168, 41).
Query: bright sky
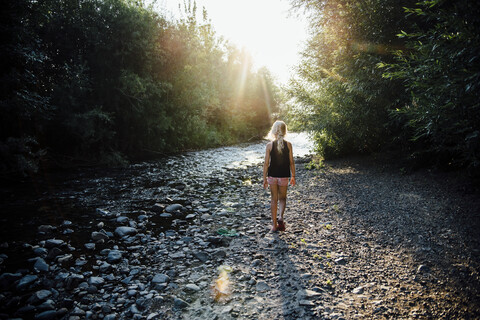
point(273, 35)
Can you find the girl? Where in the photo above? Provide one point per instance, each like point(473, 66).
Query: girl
point(277, 169)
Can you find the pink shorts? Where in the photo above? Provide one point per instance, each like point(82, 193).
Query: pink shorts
point(282, 182)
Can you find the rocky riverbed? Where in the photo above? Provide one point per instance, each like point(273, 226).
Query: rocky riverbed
point(362, 241)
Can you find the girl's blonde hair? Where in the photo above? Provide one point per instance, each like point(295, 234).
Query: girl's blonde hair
point(278, 132)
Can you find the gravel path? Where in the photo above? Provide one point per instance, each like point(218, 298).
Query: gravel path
point(362, 241)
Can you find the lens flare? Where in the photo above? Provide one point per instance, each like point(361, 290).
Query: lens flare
point(222, 286)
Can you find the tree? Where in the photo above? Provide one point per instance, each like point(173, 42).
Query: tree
point(441, 74)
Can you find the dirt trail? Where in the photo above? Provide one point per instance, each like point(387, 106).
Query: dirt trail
point(362, 241)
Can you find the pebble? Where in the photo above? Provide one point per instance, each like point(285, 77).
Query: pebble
point(99, 235)
point(358, 290)
point(46, 228)
point(179, 303)
point(192, 287)
point(423, 269)
point(96, 281)
point(160, 278)
point(174, 207)
point(125, 231)
point(114, 256)
point(26, 281)
point(262, 286)
point(122, 219)
point(41, 266)
point(90, 246)
point(51, 243)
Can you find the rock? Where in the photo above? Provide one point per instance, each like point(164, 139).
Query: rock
point(103, 212)
point(306, 303)
point(192, 287)
point(158, 208)
point(99, 235)
point(39, 296)
point(358, 290)
point(105, 267)
point(46, 228)
point(46, 305)
point(216, 240)
point(174, 207)
point(202, 256)
point(220, 254)
point(8, 279)
point(111, 316)
point(78, 312)
point(307, 294)
point(125, 231)
point(340, 261)
point(51, 243)
point(65, 258)
point(26, 281)
point(46, 315)
point(114, 256)
point(160, 278)
point(423, 269)
point(40, 265)
point(190, 216)
point(73, 280)
point(96, 281)
point(90, 246)
point(54, 252)
point(177, 255)
point(262, 286)
point(142, 217)
point(165, 215)
point(27, 312)
point(134, 309)
point(40, 251)
point(179, 303)
point(122, 219)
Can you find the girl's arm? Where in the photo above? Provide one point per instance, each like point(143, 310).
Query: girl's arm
point(292, 165)
point(266, 163)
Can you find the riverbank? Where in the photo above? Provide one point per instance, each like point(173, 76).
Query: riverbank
point(362, 241)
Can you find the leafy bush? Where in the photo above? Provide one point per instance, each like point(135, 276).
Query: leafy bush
point(441, 73)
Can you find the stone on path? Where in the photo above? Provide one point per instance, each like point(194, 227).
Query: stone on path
point(262, 286)
point(358, 290)
point(173, 207)
point(114, 256)
point(40, 265)
point(125, 231)
point(160, 278)
point(179, 303)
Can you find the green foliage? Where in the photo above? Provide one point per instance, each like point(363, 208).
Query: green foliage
point(384, 73)
point(441, 73)
point(340, 93)
point(101, 81)
point(315, 164)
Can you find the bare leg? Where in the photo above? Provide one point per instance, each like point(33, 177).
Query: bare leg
point(282, 199)
point(273, 205)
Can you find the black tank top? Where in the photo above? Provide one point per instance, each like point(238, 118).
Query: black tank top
point(279, 162)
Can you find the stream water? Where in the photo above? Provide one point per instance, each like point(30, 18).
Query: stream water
point(76, 201)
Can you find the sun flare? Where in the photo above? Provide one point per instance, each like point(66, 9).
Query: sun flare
point(267, 29)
